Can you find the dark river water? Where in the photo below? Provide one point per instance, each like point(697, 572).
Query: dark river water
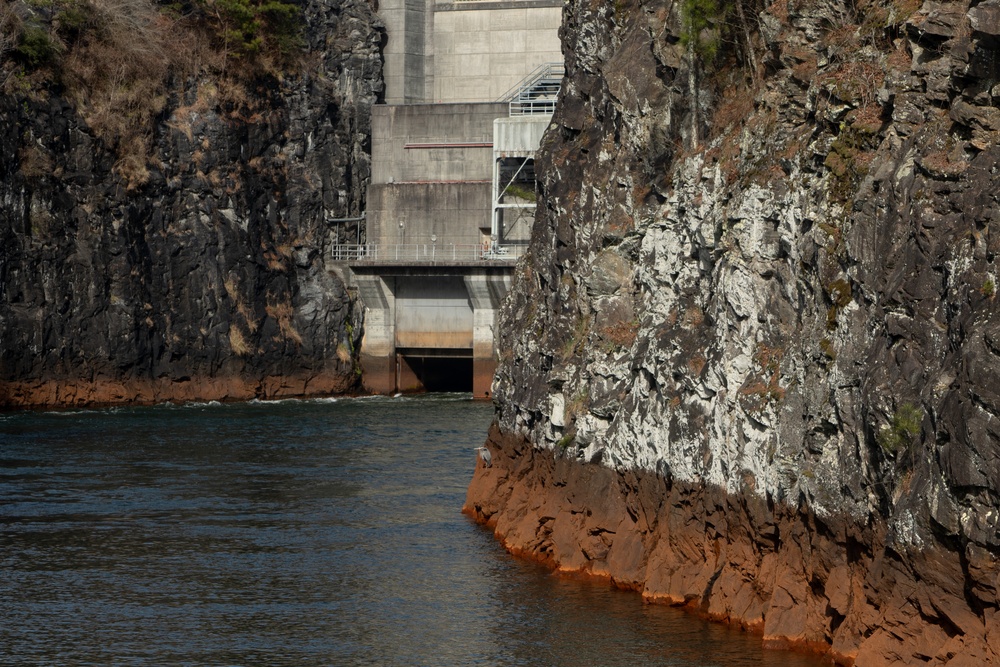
point(293, 533)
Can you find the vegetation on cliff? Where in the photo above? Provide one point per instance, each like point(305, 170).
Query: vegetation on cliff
point(119, 61)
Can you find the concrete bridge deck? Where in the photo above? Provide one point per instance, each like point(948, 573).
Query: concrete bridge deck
point(419, 254)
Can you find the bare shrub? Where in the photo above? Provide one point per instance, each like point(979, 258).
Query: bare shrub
point(343, 354)
point(856, 83)
point(238, 342)
point(283, 312)
point(118, 62)
point(734, 109)
point(116, 70)
point(35, 163)
point(620, 335)
point(116, 77)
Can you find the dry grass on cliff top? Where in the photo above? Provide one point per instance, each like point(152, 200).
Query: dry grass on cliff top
point(119, 62)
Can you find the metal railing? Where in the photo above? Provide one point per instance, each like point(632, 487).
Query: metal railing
point(427, 252)
point(537, 92)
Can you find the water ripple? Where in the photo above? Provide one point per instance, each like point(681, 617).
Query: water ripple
point(320, 532)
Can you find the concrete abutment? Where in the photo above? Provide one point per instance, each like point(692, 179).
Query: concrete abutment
point(430, 328)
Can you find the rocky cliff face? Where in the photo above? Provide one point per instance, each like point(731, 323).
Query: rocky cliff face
point(188, 264)
point(750, 362)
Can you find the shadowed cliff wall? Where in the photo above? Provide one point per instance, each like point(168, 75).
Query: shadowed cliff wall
point(163, 231)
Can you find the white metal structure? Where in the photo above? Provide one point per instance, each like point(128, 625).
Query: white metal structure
point(515, 140)
point(537, 92)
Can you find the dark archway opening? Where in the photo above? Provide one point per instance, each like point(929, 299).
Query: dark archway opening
point(453, 374)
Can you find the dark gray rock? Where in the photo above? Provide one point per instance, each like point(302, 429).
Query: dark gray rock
point(207, 280)
point(813, 278)
point(985, 17)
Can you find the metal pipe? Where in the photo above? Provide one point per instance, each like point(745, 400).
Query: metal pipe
point(357, 219)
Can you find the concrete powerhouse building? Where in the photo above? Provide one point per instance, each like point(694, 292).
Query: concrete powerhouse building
point(470, 88)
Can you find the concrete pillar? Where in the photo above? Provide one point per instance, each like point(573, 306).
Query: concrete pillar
point(486, 293)
point(406, 54)
point(378, 346)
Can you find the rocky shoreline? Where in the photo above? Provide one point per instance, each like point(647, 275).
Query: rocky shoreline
point(749, 362)
point(55, 394)
point(821, 584)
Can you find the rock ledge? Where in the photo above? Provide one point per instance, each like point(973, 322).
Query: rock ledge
point(828, 586)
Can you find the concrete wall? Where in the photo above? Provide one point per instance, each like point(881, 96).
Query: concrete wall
point(401, 136)
point(414, 311)
point(483, 49)
point(378, 345)
point(409, 27)
point(433, 313)
point(456, 213)
point(441, 51)
point(426, 175)
point(432, 177)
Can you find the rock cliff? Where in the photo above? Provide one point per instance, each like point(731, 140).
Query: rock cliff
point(167, 200)
point(749, 364)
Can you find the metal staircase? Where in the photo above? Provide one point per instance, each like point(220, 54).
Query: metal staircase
point(537, 92)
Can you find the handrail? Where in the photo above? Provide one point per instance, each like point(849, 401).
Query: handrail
point(536, 93)
point(527, 80)
point(426, 252)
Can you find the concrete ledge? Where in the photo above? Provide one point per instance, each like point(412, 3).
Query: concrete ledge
point(484, 269)
point(494, 4)
point(436, 353)
point(420, 267)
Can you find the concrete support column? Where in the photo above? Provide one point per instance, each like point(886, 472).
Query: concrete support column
point(378, 346)
point(486, 293)
point(409, 27)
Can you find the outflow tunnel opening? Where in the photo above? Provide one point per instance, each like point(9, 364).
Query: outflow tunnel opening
point(430, 373)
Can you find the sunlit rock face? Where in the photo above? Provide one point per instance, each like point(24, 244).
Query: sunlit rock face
point(762, 284)
point(191, 265)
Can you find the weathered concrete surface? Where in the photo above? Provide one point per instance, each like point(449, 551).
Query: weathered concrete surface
point(483, 369)
point(433, 168)
point(379, 375)
point(441, 51)
point(429, 311)
point(756, 312)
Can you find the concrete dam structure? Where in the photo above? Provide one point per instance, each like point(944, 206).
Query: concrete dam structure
point(451, 200)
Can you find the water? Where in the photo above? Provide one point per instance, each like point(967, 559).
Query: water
point(293, 533)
